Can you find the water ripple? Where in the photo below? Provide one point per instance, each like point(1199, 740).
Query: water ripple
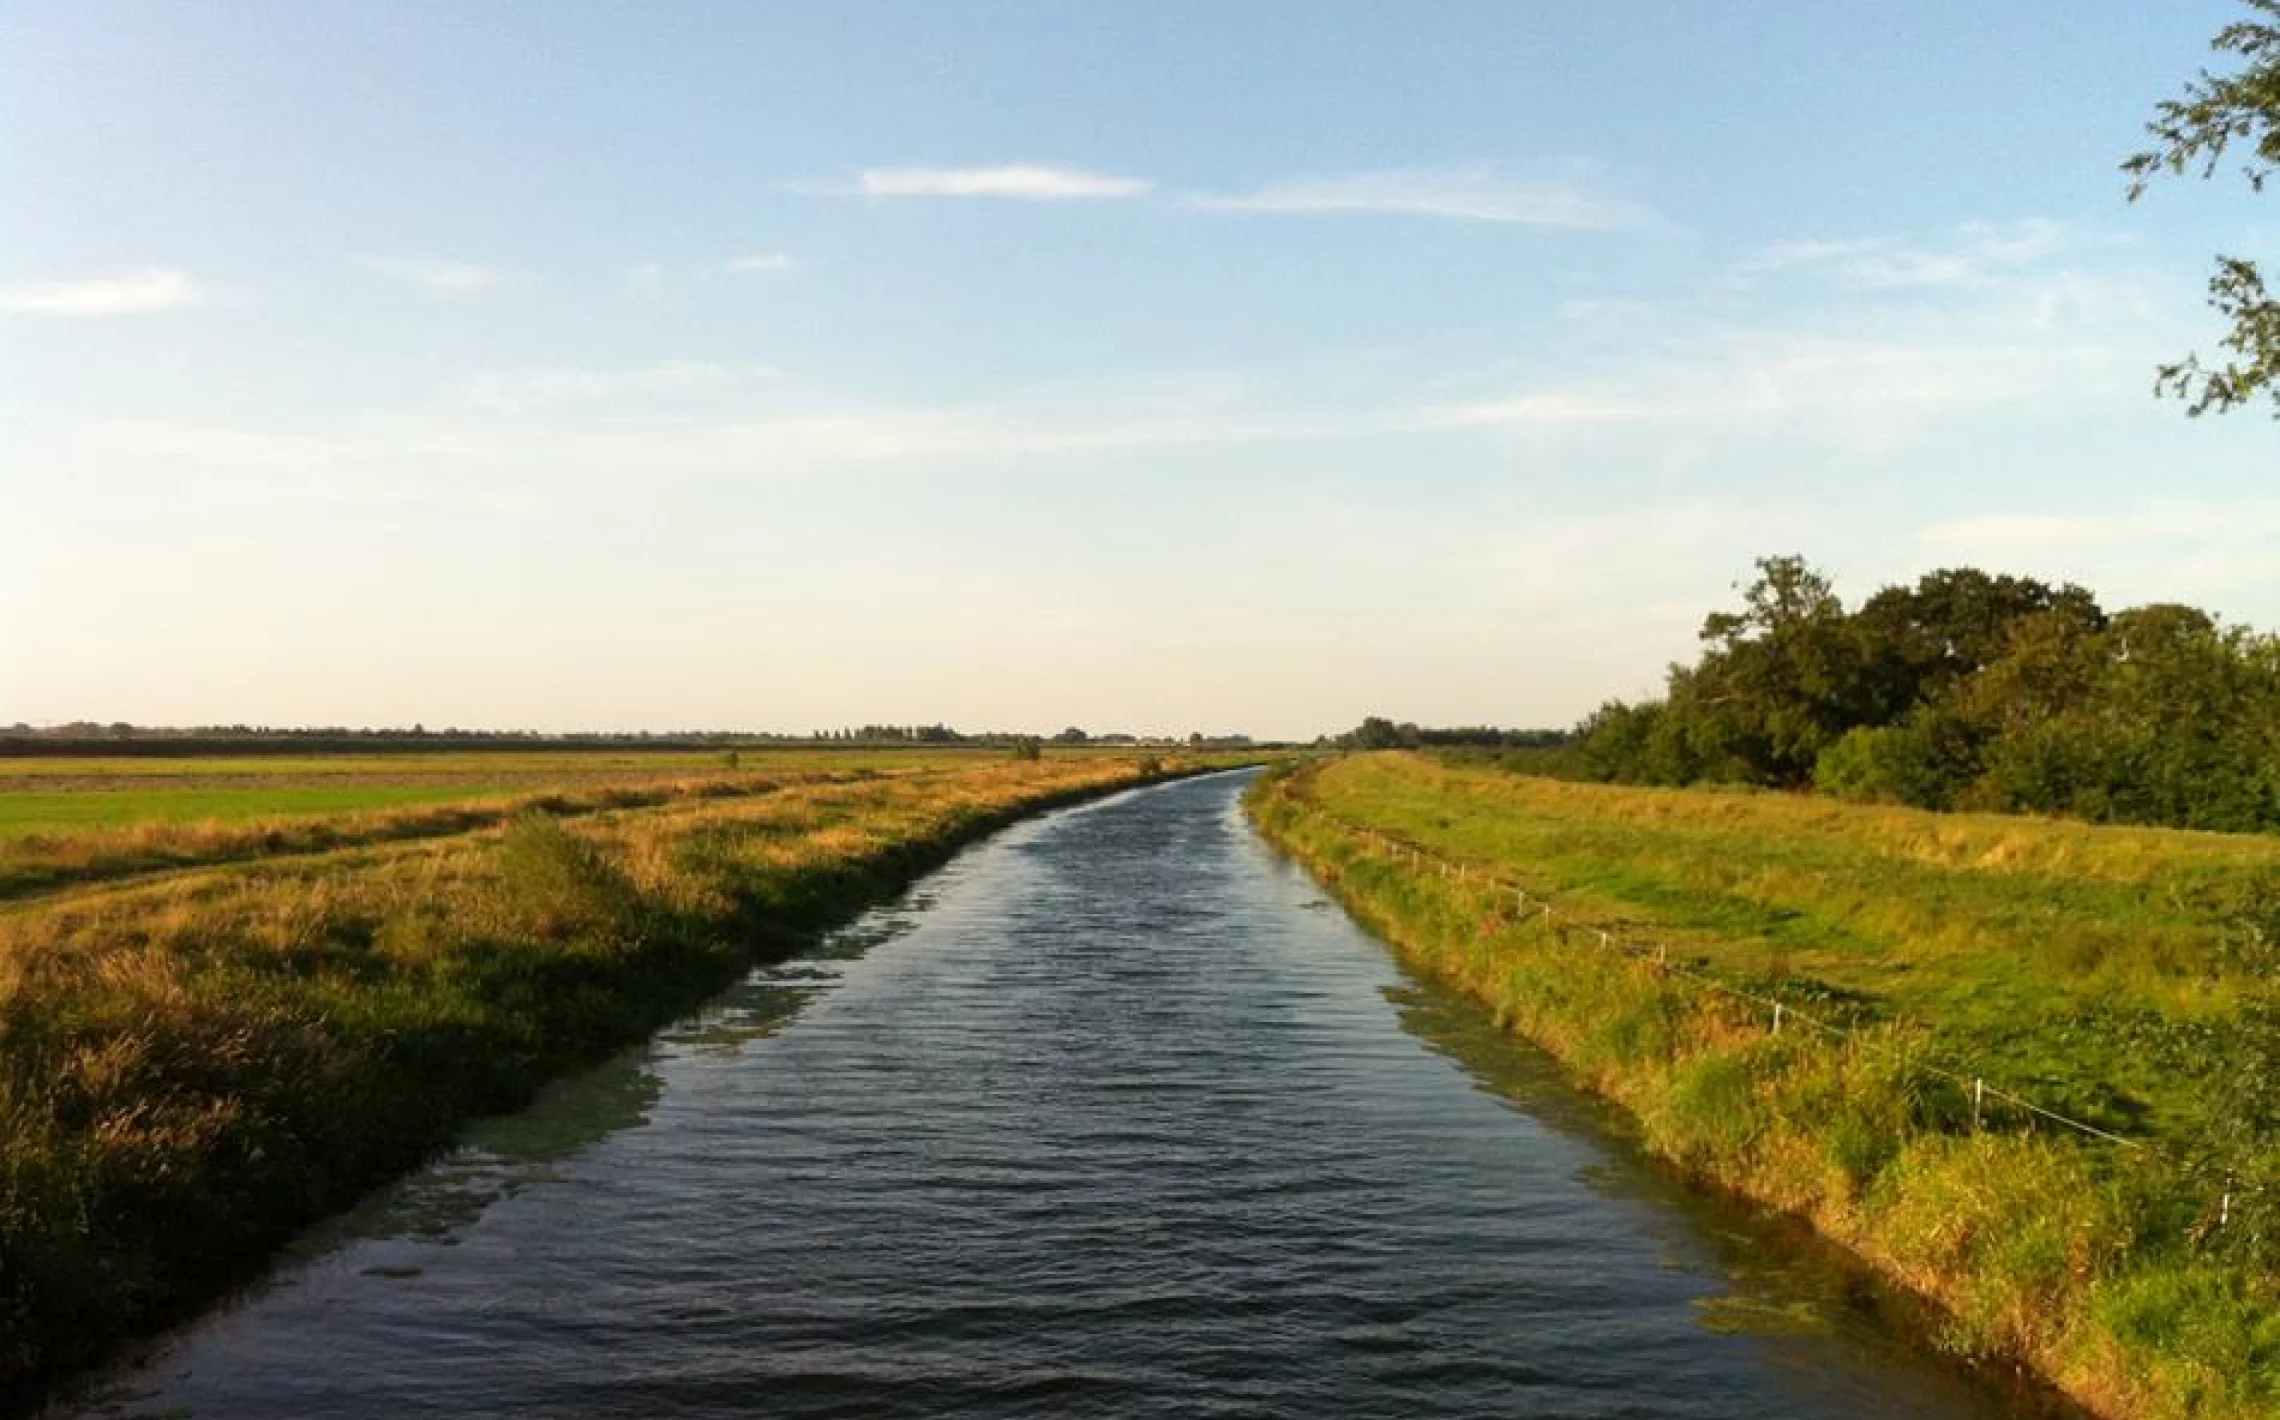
point(1111, 1117)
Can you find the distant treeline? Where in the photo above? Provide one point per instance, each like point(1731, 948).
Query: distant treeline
point(89, 738)
point(1377, 732)
point(1967, 691)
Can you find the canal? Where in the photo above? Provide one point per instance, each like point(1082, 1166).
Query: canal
point(1115, 1115)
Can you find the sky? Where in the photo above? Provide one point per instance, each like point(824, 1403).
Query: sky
point(1138, 366)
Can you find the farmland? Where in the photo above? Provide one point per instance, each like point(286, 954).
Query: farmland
point(64, 821)
point(217, 1026)
point(2120, 981)
point(71, 795)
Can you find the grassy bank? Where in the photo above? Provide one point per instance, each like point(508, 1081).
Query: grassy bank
point(195, 1064)
point(1935, 976)
point(136, 831)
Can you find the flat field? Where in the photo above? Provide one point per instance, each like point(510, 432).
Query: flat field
point(76, 820)
point(59, 795)
point(2066, 960)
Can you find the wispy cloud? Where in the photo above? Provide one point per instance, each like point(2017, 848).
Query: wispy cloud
point(1867, 393)
point(445, 278)
point(759, 263)
point(1975, 254)
point(522, 391)
point(1574, 197)
point(1032, 181)
point(2204, 549)
point(2023, 537)
point(136, 293)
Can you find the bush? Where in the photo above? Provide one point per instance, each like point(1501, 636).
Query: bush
point(1917, 762)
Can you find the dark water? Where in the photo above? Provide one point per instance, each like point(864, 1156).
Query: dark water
point(1114, 1116)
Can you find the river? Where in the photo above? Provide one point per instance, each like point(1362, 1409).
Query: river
point(1115, 1115)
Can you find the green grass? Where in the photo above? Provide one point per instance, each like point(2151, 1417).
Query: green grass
point(2121, 976)
point(2042, 954)
point(22, 814)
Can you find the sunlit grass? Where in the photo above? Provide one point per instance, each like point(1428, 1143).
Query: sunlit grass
point(22, 814)
point(2089, 969)
point(196, 1060)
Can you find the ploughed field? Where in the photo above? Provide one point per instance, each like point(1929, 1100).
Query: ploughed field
point(236, 993)
point(2031, 1067)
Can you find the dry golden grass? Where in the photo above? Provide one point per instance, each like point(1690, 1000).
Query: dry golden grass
point(194, 1063)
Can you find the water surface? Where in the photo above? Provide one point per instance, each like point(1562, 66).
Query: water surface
point(1115, 1115)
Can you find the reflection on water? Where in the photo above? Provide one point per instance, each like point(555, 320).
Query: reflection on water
point(1783, 1280)
point(500, 1157)
point(1115, 1116)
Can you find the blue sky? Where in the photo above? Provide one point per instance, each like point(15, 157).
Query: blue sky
point(1150, 366)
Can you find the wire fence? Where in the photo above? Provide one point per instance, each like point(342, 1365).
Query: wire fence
point(2237, 1197)
point(1782, 1015)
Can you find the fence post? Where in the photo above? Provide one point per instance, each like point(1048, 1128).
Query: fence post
point(1978, 1094)
point(1777, 1018)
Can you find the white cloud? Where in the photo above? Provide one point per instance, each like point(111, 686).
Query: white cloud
point(1975, 254)
point(1866, 393)
point(136, 293)
point(1546, 410)
point(2022, 537)
point(1572, 198)
point(445, 278)
point(519, 391)
point(2212, 551)
point(1034, 181)
point(759, 263)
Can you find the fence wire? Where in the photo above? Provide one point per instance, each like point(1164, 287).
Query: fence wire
point(1536, 908)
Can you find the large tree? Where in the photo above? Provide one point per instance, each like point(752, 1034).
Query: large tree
point(2220, 114)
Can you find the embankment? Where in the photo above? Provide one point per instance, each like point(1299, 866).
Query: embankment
point(1854, 1015)
point(194, 1067)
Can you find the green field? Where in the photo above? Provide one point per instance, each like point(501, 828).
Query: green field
point(2046, 954)
point(66, 820)
point(1964, 967)
point(76, 811)
point(477, 768)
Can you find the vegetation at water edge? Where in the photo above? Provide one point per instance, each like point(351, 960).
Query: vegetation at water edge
point(1853, 1014)
point(206, 1043)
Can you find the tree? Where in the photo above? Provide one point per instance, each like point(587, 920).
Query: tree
point(1375, 732)
point(1920, 640)
point(1779, 682)
point(2193, 134)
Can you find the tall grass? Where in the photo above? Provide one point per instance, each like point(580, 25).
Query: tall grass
point(2106, 1267)
point(194, 1066)
point(35, 862)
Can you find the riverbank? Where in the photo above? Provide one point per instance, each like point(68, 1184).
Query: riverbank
point(1796, 1001)
point(195, 1065)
